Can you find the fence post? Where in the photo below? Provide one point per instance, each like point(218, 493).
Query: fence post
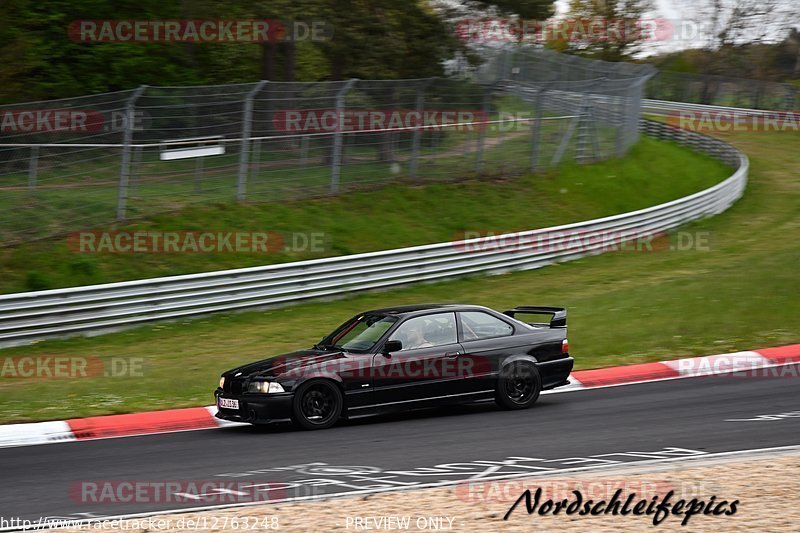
point(256, 163)
point(536, 129)
point(244, 151)
point(304, 149)
point(127, 138)
point(136, 161)
point(336, 157)
point(485, 106)
point(585, 133)
point(33, 168)
point(417, 136)
point(198, 174)
point(562, 146)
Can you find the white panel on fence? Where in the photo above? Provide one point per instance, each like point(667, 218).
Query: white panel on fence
point(189, 148)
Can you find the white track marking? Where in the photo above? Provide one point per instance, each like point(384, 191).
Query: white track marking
point(36, 433)
point(718, 364)
point(212, 410)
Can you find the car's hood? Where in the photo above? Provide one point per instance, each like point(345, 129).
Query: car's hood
point(301, 363)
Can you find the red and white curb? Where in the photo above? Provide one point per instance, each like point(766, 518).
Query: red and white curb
point(195, 418)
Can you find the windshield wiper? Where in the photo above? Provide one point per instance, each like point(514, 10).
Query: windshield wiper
point(326, 347)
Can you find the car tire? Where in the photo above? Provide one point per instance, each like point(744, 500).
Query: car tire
point(317, 404)
point(518, 386)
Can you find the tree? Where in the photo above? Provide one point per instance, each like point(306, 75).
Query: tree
point(611, 30)
point(384, 39)
point(526, 9)
point(371, 39)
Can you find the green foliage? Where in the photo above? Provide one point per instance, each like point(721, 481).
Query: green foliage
point(778, 61)
point(617, 42)
point(372, 39)
point(526, 9)
point(36, 281)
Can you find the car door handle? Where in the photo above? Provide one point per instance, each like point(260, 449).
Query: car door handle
point(452, 354)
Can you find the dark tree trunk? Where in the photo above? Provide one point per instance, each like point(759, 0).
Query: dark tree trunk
point(267, 61)
point(337, 68)
point(290, 59)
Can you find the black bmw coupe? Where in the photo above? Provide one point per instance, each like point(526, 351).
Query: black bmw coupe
point(405, 357)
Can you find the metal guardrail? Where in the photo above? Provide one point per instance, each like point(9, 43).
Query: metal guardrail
point(666, 107)
point(25, 317)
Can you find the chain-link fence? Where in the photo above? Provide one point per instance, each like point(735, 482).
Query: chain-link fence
point(606, 97)
point(723, 91)
point(84, 162)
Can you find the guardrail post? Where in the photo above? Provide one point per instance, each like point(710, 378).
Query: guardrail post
point(127, 138)
point(244, 150)
point(336, 157)
point(417, 135)
point(33, 168)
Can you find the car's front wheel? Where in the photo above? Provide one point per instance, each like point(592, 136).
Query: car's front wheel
point(317, 405)
point(518, 386)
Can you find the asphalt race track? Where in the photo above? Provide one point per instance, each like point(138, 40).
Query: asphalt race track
point(574, 430)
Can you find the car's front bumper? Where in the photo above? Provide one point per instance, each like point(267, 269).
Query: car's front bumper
point(256, 408)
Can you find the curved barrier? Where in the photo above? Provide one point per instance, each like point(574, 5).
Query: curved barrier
point(25, 317)
point(667, 107)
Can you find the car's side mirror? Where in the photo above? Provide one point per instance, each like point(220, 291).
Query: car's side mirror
point(392, 346)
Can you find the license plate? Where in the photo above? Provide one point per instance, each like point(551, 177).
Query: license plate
point(228, 403)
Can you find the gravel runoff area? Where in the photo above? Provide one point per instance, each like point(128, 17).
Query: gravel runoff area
point(765, 485)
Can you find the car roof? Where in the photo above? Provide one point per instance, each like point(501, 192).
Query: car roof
point(419, 308)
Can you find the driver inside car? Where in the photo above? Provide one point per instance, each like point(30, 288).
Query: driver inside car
point(415, 337)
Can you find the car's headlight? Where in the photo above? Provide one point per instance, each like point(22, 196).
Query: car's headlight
point(264, 387)
point(222, 382)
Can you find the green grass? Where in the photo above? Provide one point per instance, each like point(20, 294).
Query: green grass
point(624, 307)
point(394, 216)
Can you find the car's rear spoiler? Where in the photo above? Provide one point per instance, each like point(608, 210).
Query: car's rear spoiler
point(559, 314)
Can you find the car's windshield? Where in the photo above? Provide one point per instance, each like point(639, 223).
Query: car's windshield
point(359, 334)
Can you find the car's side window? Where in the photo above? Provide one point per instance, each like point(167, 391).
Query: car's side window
point(476, 325)
point(427, 331)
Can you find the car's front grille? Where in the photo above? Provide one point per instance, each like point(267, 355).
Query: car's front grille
point(233, 386)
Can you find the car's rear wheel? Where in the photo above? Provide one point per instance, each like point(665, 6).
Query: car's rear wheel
point(317, 405)
point(518, 386)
